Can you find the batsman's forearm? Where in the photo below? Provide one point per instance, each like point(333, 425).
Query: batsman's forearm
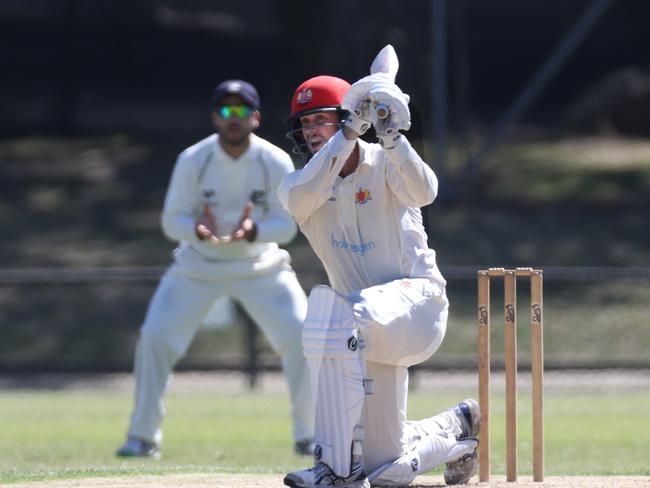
point(414, 182)
point(349, 134)
point(304, 191)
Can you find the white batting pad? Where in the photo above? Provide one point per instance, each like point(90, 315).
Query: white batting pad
point(332, 347)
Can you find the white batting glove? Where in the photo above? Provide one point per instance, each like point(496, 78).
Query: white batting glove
point(359, 90)
point(358, 118)
point(388, 139)
point(356, 102)
point(389, 113)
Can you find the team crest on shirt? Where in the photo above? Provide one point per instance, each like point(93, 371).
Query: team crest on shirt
point(304, 96)
point(362, 196)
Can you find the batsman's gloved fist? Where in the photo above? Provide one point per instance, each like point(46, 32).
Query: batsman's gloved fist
point(358, 118)
point(389, 113)
point(356, 102)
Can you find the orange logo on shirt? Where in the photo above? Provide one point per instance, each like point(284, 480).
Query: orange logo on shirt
point(362, 196)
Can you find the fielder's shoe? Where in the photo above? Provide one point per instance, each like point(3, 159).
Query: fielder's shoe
point(322, 476)
point(137, 447)
point(305, 447)
point(459, 472)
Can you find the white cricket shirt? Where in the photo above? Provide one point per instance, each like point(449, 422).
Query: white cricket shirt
point(367, 227)
point(206, 174)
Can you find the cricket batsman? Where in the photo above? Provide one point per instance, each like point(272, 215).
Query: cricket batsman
point(358, 204)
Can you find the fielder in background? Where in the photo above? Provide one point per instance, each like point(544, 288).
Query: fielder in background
point(223, 208)
point(358, 205)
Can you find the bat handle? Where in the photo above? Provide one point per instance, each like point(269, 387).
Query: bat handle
point(382, 111)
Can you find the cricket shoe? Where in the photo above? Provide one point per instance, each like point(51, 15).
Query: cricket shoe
point(322, 476)
point(300, 479)
point(459, 472)
point(137, 447)
point(305, 447)
point(469, 414)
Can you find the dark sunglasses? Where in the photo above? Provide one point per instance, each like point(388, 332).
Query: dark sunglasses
point(241, 111)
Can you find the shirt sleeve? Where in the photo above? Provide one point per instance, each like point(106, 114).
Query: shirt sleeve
point(277, 225)
point(411, 180)
point(305, 191)
point(178, 218)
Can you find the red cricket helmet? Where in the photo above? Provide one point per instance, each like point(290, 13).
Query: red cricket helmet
point(319, 94)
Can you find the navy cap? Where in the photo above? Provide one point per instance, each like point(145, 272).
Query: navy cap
point(237, 87)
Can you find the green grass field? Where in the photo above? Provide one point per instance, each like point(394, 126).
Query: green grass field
point(73, 433)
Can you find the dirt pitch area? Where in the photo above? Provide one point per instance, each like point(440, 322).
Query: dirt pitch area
point(271, 481)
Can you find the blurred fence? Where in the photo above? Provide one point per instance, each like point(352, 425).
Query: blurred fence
point(87, 320)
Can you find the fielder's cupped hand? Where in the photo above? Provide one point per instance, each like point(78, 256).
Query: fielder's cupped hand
point(245, 228)
point(206, 226)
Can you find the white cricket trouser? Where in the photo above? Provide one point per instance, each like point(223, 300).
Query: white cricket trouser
point(402, 323)
point(274, 300)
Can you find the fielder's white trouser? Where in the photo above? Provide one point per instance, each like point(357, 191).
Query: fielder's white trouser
point(274, 300)
point(402, 323)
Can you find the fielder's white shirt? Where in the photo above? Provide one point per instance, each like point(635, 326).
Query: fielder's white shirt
point(367, 227)
point(206, 174)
